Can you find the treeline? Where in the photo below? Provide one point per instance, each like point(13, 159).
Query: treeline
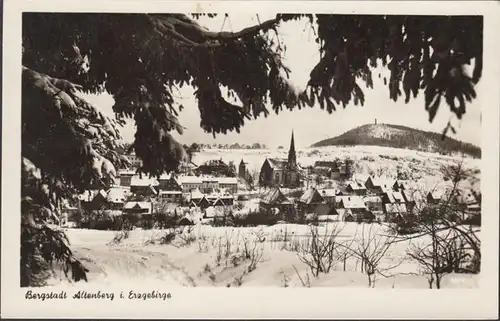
point(403, 137)
point(229, 146)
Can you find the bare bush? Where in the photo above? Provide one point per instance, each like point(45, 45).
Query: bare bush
point(320, 254)
point(370, 249)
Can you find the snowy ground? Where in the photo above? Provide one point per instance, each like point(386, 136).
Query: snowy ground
point(214, 256)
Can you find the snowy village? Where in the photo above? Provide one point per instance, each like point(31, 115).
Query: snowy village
point(216, 193)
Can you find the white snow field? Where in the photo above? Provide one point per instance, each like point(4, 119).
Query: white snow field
point(215, 257)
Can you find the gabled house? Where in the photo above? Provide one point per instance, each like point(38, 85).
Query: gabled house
point(309, 200)
point(167, 182)
point(376, 185)
point(275, 200)
point(356, 188)
point(329, 169)
point(144, 186)
point(351, 207)
point(138, 208)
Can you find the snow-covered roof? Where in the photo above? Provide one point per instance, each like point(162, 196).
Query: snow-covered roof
point(227, 180)
point(352, 201)
point(274, 196)
point(355, 186)
point(117, 194)
point(143, 181)
point(381, 182)
point(170, 192)
point(277, 163)
point(311, 195)
point(141, 205)
point(189, 180)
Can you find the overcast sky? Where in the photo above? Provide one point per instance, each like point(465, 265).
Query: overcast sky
point(312, 124)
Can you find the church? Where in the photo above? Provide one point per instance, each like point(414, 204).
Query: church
point(281, 172)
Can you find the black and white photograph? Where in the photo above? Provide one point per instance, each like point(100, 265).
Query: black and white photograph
point(264, 149)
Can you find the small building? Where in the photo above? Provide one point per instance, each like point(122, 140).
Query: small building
point(378, 185)
point(125, 177)
point(329, 169)
point(190, 183)
point(275, 199)
point(170, 196)
point(167, 182)
point(435, 196)
point(229, 184)
point(144, 186)
point(352, 206)
point(356, 188)
point(138, 208)
point(309, 200)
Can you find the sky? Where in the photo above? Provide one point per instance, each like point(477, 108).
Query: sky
point(311, 124)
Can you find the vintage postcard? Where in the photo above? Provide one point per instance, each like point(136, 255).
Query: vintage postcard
point(238, 159)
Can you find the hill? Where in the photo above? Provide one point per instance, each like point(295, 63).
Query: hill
point(397, 136)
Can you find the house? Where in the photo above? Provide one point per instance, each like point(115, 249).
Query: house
point(145, 186)
point(356, 188)
point(190, 183)
point(116, 197)
point(138, 208)
point(134, 160)
point(281, 172)
point(351, 207)
point(275, 199)
point(167, 182)
point(378, 185)
point(309, 200)
point(435, 196)
point(467, 203)
point(329, 169)
point(229, 184)
point(170, 196)
point(125, 177)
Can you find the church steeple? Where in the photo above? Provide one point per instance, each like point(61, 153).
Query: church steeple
point(292, 157)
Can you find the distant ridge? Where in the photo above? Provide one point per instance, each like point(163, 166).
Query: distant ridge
point(397, 136)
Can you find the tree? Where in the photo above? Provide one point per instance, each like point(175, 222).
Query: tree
point(68, 145)
point(231, 169)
